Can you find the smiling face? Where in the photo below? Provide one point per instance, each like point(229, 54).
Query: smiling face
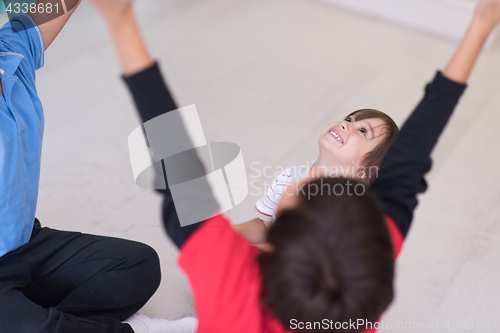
point(360, 140)
point(346, 143)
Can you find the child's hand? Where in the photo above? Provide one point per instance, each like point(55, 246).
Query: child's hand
point(112, 9)
point(488, 12)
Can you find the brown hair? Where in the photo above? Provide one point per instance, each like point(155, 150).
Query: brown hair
point(374, 158)
point(331, 258)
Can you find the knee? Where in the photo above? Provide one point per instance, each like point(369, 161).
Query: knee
point(148, 263)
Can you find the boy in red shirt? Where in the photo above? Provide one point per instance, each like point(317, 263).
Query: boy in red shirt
point(328, 259)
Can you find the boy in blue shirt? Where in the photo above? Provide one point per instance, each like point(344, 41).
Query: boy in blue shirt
point(53, 281)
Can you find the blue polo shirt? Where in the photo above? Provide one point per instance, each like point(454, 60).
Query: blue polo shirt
point(21, 130)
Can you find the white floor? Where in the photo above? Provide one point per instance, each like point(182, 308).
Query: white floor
point(269, 75)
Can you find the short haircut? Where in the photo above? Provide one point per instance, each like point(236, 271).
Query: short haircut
point(374, 158)
point(331, 258)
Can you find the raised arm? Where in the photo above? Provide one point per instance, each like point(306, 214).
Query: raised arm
point(152, 99)
point(401, 175)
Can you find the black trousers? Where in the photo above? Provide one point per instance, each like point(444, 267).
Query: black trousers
point(69, 282)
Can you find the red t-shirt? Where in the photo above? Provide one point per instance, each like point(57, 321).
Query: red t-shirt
point(225, 279)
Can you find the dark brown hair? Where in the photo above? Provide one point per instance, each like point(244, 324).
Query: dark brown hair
point(374, 158)
point(331, 257)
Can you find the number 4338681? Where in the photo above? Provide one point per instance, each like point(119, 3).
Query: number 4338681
point(32, 8)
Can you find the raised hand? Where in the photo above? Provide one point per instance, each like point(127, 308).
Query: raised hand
point(488, 11)
point(486, 17)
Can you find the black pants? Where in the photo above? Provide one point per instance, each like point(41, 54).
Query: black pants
point(69, 282)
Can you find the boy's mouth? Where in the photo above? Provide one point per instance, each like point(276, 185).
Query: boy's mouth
point(336, 136)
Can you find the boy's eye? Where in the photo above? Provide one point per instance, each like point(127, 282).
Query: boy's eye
point(348, 119)
point(363, 131)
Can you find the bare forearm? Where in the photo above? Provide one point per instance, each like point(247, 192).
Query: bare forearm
point(51, 24)
point(132, 52)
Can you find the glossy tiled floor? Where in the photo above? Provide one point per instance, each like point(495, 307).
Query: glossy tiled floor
point(269, 75)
